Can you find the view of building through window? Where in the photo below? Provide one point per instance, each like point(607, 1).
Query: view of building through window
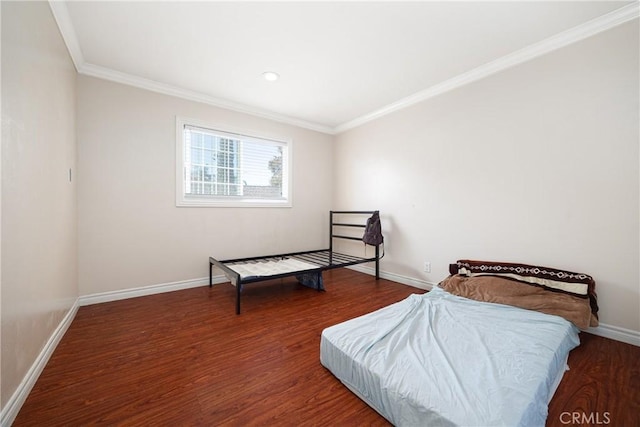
point(219, 164)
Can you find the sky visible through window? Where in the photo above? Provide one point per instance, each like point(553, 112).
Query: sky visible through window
point(225, 164)
point(222, 168)
point(256, 166)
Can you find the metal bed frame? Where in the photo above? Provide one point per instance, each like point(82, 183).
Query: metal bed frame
point(325, 259)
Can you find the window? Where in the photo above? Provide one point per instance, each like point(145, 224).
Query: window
point(217, 167)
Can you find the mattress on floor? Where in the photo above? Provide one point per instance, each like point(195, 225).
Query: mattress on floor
point(439, 360)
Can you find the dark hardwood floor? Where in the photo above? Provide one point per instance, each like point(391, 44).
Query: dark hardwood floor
point(184, 358)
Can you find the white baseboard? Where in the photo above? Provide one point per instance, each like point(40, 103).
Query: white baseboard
point(606, 331)
point(405, 280)
point(616, 333)
point(11, 409)
point(147, 290)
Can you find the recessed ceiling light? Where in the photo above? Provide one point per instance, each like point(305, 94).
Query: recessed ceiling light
point(270, 76)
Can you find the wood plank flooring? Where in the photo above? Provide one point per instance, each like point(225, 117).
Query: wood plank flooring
point(184, 358)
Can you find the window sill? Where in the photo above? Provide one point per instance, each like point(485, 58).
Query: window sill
point(240, 203)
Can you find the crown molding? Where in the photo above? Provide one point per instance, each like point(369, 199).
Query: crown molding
point(166, 89)
point(67, 30)
point(573, 35)
point(588, 29)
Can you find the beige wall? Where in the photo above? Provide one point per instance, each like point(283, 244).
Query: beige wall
point(39, 256)
point(536, 164)
point(131, 234)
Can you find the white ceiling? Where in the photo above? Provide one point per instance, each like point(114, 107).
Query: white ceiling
point(341, 63)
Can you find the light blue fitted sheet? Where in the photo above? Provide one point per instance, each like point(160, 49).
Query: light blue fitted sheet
point(440, 360)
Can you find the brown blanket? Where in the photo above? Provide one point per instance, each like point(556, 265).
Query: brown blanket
point(505, 291)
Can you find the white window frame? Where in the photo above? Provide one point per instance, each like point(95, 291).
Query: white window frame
point(231, 201)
